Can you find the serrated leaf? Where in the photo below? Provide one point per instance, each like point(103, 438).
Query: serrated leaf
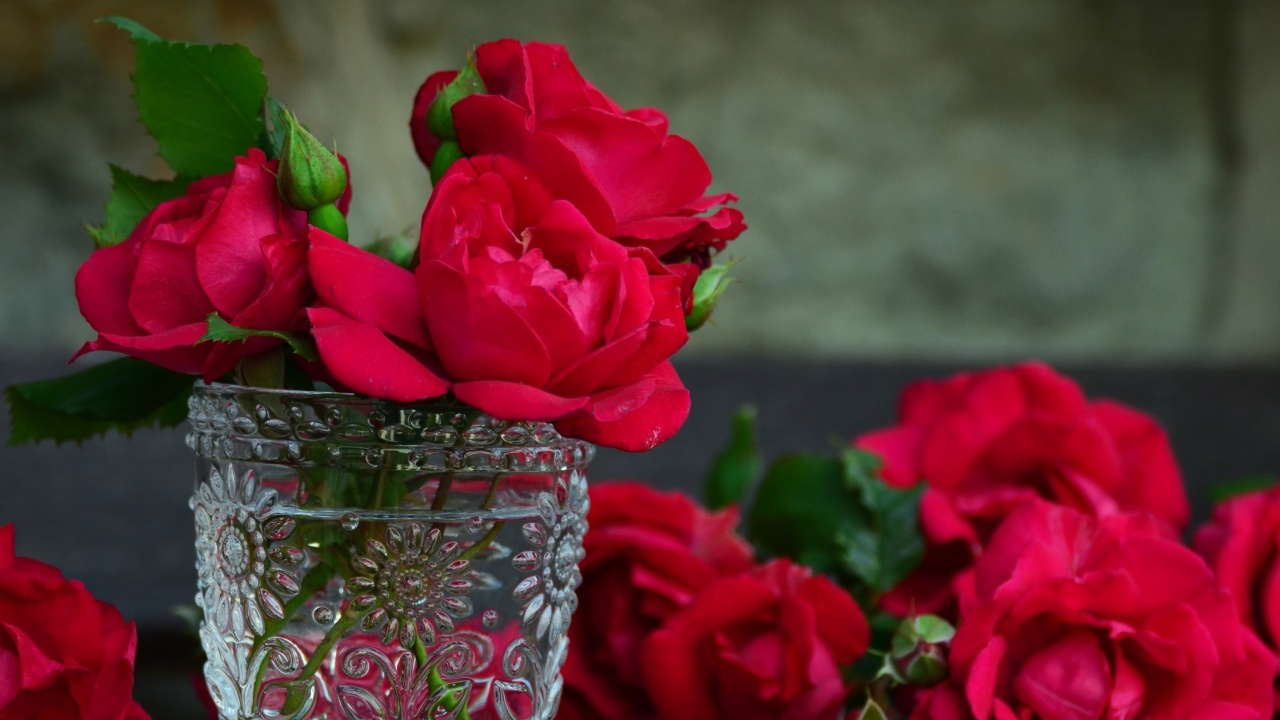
point(122, 395)
point(202, 103)
point(737, 466)
point(274, 111)
point(1222, 492)
point(887, 545)
point(132, 198)
point(222, 331)
point(133, 27)
point(802, 505)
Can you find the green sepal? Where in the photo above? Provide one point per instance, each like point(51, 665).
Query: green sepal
point(737, 465)
point(912, 631)
point(133, 197)
point(711, 284)
point(122, 395)
point(440, 112)
point(1222, 492)
point(872, 711)
point(202, 103)
point(222, 331)
point(884, 544)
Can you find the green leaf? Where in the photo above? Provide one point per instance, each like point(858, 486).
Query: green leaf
point(1222, 492)
point(222, 331)
point(737, 466)
point(885, 544)
point(132, 198)
point(202, 103)
point(121, 395)
point(274, 139)
point(802, 505)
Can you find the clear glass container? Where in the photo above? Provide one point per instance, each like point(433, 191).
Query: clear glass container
point(362, 558)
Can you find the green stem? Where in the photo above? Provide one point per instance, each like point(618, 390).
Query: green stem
point(483, 542)
point(339, 629)
point(441, 497)
point(435, 682)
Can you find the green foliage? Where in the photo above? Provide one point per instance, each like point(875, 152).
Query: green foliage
point(399, 249)
point(886, 544)
point(121, 395)
point(202, 103)
point(222, 331)
point(1240, 486)
point(737, 465)
point(838, 517)
point(132, 198)
point(273, 140)
point(801, 507)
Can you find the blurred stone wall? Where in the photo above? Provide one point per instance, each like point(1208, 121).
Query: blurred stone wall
point(1093, 180)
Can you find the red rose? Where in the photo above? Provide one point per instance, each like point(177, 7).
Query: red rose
point(633, 181)
point(63, 654)
point(230, 245)
point(649, 554)
point(768, 645)
point(987, 443)
point(519, 307)
point(1080, 618)
point(1242, 545)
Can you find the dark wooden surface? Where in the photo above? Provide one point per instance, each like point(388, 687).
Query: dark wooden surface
point(113, 512)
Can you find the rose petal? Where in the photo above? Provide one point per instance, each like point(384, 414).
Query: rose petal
point(479, 336)
point(174, 349)
point(1068, 680)
point(513, 401)
point(102, 288)
point(367, 288)
point(635, 418)
point(365, 360)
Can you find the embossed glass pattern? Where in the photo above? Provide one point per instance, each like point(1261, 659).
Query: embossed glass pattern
point(360, 558)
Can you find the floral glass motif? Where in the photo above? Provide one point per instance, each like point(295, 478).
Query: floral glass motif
point(368, 559)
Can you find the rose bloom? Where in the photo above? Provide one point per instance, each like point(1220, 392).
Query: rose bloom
point(629, 177)
point(1080, 618)
point(768, 645)
point(230, 245)
point(1242, 545)
point(518, 306)
point(648, 555)
point(988, 442)
point(63, 654)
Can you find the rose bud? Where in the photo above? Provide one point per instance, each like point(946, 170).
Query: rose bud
point(711, 284)
point(919, 650)
point(311, 178)
point(440, 113)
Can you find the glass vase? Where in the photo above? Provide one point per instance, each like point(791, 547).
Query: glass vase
point(361, 558)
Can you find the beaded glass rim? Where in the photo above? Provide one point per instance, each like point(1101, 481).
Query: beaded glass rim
point(303, 427)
